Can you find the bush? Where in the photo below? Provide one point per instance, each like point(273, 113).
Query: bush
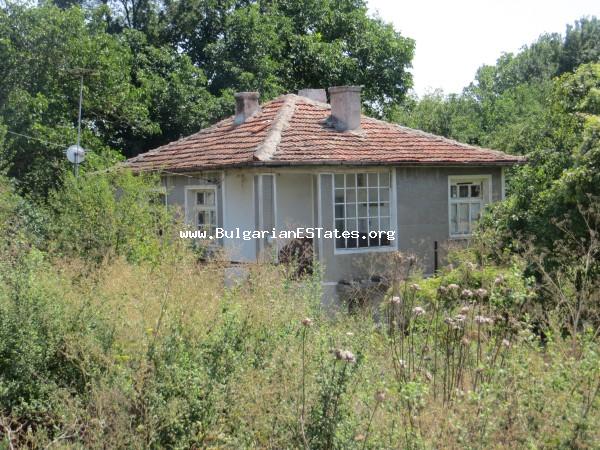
point(99, 216)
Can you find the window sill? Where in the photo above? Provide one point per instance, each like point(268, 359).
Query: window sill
point(460, 237)
point(351, 251)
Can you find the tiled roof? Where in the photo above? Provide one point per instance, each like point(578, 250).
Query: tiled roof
point(293, 130)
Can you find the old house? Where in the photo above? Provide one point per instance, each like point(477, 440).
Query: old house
point(300, 162)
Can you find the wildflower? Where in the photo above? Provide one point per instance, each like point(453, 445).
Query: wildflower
point(418, 311)
point(380, 396)
point(415, 287)
point(402, 364)
point(449, 321)
point(465, 309)
point(395, 300)
point(398, 257)
point(506, 343)
point(471, 266)
point(359, 437)
point(460, 318)
point(307, 322)
point(442, 289)
point(465, 341)
point(428, 375)
point(499, 280)
point(482, 320)
point(345, 355)
point(453, 287)
point(350, 334)
point(481, 293)
point(467, 293)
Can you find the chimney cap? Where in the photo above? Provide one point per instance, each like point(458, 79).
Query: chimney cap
point(318, 95)
point(247, 94)
point(336, 89)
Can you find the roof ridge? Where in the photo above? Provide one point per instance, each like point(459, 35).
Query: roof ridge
point(266, 150)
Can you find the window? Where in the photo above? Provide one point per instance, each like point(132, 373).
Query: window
point(203, 210)
point(467, 198)
point(362, 207)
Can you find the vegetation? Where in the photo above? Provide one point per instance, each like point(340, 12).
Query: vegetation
point(542, 103)
point(113, 334)
point(121, 340)
point(156, 71)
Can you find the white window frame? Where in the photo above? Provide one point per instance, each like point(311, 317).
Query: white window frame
point(393, 245)
point(483, 201)
point(196, 208)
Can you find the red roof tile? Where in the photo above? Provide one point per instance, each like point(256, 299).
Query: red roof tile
point(293, 130)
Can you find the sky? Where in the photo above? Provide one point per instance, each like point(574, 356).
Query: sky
point(455, 37)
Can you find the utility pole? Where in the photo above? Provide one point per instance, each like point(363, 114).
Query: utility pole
point(76, 153)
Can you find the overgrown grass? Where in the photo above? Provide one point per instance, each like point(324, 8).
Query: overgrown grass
point(163, 356)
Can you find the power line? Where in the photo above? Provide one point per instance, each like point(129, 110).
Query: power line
point(56, 144)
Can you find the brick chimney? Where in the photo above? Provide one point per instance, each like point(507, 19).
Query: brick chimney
point(345, 107)
point(318, 95)
point(246, 105)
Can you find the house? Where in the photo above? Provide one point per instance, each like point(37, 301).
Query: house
point(297, 162)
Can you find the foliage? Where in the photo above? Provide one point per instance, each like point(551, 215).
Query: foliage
point(99, 216)
point(151, 357)
point(155, 71)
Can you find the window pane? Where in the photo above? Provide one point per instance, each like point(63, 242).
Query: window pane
point(475, 190)
point(363, 226)
point(363, 231)
point(363, 240)
point(340, 242)
point(213, 217)
point(351, 210)
point(351, 195)
point(339, 196)
point(384, 224)
point(373, 194)
point(362, 210)
point(205, 198)
point(352, 242)
point(384, 209)
point(351, 225)
point(350, 180)
point(361, 179)
point(453, 191)
point(373, 181)
point(362, 195)
point(339, 180)
point(463, 191)
point(373, 210)
point(454, 218)
point(339, 211)
point(339, 225)
point(463, 218)
point(475, 211)
point(384, 194)
point(384, 179)
point(374, 224)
